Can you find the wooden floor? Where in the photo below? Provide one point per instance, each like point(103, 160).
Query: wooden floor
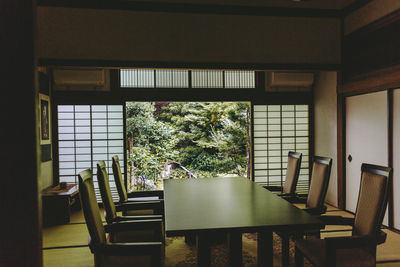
point(66, 245)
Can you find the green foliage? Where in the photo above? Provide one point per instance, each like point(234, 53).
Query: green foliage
point(149, 144)
point(213, 136)
point(208, 138)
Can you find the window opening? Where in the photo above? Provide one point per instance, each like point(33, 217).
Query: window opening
point(186, 140)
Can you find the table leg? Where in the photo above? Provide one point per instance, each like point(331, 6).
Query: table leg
point(235, 249)
point(265, 253)
point(285, 249)
point(203, 243)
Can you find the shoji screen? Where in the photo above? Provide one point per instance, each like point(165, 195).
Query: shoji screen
point(279, 129)
point(396, 157)
point(366, 139)
point(87, 134)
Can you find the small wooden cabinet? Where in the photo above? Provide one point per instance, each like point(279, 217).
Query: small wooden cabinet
point(57, 204)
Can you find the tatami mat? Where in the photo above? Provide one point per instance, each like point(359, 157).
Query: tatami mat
point(65, 235)
point(66, 245)
point(68, 257)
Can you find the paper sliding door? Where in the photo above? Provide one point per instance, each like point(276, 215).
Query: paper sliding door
point(366, 139)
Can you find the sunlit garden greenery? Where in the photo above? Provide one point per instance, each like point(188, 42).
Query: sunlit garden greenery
point(186, 139)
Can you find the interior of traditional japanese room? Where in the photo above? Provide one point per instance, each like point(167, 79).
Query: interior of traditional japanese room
point(209, 133)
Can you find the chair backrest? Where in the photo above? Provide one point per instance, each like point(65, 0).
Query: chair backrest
point(372, 199)
point(123, 196)
point(292, 172)
point(90, 207)
point(321, 173)
point(105, 191)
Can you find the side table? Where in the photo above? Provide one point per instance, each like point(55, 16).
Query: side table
point(57, 204)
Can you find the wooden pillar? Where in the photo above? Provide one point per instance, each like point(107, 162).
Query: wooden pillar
point(19, 199)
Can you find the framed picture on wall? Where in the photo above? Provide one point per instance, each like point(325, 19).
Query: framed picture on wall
point(45, 122)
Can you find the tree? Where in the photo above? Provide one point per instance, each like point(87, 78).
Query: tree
point(213, 137)
point(149, 145)
point(207, 138)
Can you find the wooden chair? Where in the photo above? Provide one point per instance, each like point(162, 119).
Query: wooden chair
point(320, 176)
point(321, 172)
point(360, 248)
point(107, 253)
point(145, 196)
point(111, 209)
point(292, 176)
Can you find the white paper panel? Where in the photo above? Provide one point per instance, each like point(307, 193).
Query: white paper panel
point(366, 139)
point(396, 157)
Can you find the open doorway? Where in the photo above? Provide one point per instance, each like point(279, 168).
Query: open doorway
point(186, 140)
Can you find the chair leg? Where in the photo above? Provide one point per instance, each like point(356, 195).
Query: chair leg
point(298, 258)
point(190, 239)
point(285, 250)
point(156, 259)
point(315, 234)
point(97, 260)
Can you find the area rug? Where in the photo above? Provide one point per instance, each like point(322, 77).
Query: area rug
point(180, 254)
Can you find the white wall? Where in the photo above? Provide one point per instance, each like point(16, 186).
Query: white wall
point(369, 13)
point(325, 126)
point(396, 157)
point(46, 174)
point(68, 33)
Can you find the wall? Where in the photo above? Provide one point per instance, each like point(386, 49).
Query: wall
point(65, 33)
point(369, 13)
point(46, 174)
point(46, 167)
point(325, 126)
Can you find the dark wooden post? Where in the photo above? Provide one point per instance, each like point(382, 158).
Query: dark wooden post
point(19, 199)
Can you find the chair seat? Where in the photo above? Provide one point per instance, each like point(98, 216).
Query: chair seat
point(315, 250)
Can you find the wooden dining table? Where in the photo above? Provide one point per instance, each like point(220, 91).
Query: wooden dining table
point(205, 207)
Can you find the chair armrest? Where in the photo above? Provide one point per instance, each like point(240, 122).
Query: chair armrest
point(295, 199)
point(273, 188)
point(316, 211)
point(138, 217)
point(158, 193)
point(336, 220)
point(128, 249)
point(143, 199)
point(133, 225)
point(287, 195)
point(333, 243)
point(313, 211)
point(141, 205)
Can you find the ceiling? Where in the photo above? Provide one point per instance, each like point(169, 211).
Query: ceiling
point(307, 4)
point(296, 8)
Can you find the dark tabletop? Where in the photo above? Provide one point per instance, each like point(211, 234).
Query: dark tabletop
point(195, 205)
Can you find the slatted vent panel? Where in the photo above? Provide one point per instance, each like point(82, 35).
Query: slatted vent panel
point(87, 134)
point(160, 78)
point(239, 79)
point(279, 129)
point(207, 79)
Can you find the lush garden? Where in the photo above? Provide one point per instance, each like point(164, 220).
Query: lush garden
point(186, 140)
